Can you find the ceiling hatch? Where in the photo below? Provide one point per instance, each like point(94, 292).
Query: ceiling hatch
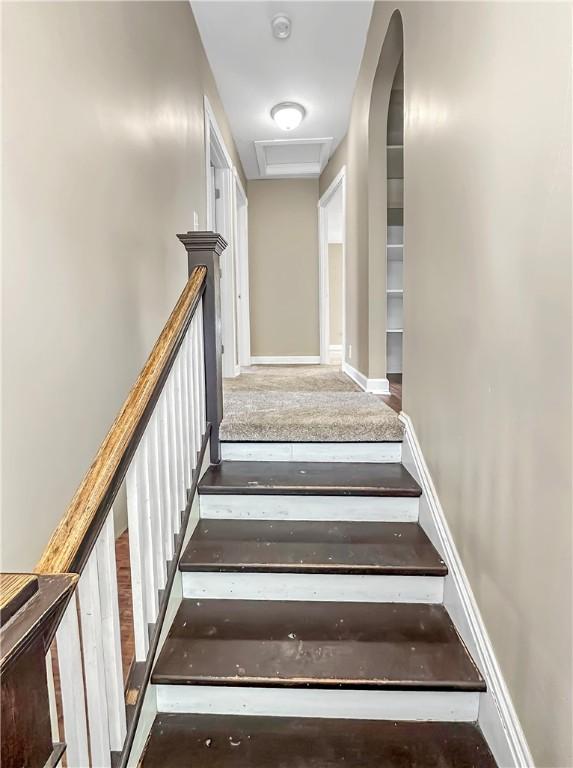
point(281, 158)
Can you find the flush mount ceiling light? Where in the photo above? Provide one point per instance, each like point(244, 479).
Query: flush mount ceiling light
point(288, 115)
point(281, 26)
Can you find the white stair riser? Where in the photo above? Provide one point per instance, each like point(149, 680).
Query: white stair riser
point(313, 586)
point(449, 706)
point(381, 509)
point(367, 452)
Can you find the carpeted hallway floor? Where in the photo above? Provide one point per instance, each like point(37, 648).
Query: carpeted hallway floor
point(303, 403)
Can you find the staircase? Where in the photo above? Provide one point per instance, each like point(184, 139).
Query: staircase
point(311, 630)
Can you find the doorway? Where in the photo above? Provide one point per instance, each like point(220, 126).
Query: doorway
point(226, 206)
point(332, 271)
point(241, 241)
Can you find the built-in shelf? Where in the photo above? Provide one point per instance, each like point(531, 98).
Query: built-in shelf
point(394, 254)
point(395, 163)
point(395, 226)
point(395, 217)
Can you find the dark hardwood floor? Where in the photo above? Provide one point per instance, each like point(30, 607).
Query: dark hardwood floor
point(394, 399)
point(125, 603)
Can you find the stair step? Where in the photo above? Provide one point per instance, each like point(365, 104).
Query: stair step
point(302, 478)
point(391, 646)
point(219, 741)
point(308, 547)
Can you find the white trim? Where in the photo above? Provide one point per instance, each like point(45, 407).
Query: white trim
point(329, 587)
point(285, 360)
point(216, 150)
point(335, 347)
point(374, 386)
point(339, 181)
point(355, 375)
point(370, 452)
point(447, 706)
point(378, 386)
point(383, 509)
point(497, 716)
point(241, 235)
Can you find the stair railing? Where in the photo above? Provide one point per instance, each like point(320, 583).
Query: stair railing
point(157, 444)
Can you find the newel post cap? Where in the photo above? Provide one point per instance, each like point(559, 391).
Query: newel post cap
point(203, 241)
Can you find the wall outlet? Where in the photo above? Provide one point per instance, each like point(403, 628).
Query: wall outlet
point(195, 221)
point(350, 351)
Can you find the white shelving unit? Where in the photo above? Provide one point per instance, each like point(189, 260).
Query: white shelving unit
point(395, 228)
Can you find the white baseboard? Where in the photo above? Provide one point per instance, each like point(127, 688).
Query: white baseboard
point(497, 716)
point(355, 375)
point(378, 386)
point(374, 386)
point(286, 360)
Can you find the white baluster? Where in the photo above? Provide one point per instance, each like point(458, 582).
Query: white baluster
point(191, 361)
point(107, 573)
point(72, 688)
point(166, 474)
point(173, 451)
point(52, 697)
point(94, 664)
point(181, 496)
point(155, 514)
point(202, 395)
point(150, 573)
point(137, 563)
point(186, 411)
point(196, 356)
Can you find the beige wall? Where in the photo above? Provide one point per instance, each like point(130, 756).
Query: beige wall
point(103, 163)
point(335, 292)
point(283, 267)
point(487, 367)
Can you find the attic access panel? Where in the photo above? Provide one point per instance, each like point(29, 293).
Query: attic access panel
point(283, 158)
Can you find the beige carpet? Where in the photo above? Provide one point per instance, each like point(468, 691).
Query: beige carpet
point(303, 403)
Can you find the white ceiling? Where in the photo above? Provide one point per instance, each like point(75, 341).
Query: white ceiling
point(317, 66)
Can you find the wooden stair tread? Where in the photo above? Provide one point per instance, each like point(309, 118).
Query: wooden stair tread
point(319, 644)
point(309, 479)
point(231, 741)
point(311, 547)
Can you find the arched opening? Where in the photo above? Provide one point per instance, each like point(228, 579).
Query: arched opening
point(385, 210)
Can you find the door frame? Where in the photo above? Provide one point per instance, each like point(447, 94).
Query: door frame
point(241, 239)
point(217, 154)
point(338, 183)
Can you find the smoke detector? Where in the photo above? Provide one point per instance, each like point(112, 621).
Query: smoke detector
point(281, 26)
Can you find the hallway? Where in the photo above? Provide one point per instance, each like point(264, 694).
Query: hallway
point(229, 538)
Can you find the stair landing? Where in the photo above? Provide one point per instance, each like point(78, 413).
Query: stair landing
point(304, 403)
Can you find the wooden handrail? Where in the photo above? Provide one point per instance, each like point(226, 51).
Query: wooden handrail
point(75, 535)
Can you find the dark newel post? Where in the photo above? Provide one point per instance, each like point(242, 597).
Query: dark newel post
point(205, 248)
point(28, 622)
